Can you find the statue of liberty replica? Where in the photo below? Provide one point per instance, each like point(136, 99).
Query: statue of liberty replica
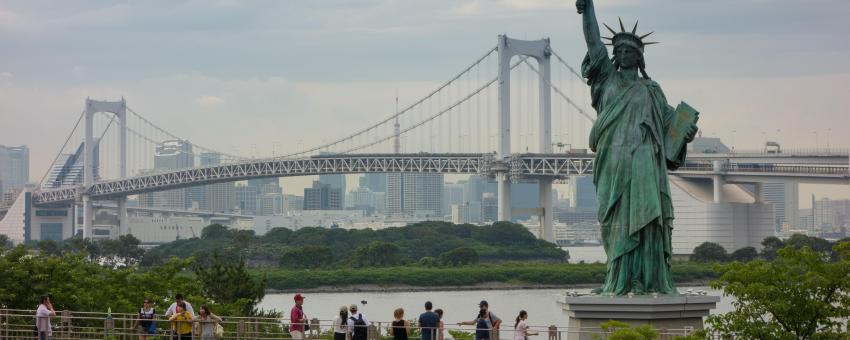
point(637, 137)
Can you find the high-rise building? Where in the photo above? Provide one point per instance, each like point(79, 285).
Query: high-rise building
point(452, 195)
point(395, 193)
point(374, 182)
point(270, 204)
point(830, 216)
point(69, 169)
point(361, 199)
point(473, 189)
point(14, 167)
point(219, 197)
point(172, 155)
point(322, 197)
point(415, 193)
point(334, 181)
point(246, 198)
point(423, 194)
point(293, 203)
point(489, 207)
point(583, 192)
point(785, 198)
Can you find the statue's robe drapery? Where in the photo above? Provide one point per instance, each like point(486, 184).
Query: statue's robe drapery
point(630, 174)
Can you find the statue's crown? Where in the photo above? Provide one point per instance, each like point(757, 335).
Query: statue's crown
point(627, 38)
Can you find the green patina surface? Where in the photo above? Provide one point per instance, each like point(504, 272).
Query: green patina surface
point(637, 137)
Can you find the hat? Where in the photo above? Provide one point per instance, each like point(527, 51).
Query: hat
point(353, 307)
point(299, 297)
point(483, 303)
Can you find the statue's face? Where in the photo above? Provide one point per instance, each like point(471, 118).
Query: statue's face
point(627, 56)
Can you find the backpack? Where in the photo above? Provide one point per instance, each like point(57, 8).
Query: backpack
point(360, 330)
point(482, 328)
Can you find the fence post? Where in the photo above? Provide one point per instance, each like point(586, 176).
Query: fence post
point(240, 329)
point(553, 332)
point(372, 332)
point(315, 331)
point(65, 329)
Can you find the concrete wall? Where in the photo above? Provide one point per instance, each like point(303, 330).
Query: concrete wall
point(736, 224)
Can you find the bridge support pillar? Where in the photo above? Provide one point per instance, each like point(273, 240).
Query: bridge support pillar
point(504, 197)
point(547, 217)
point(718, 181)
point(88, 216)
point(123, 222)
point(758, 191)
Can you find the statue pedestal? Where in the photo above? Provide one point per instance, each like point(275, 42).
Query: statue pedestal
point(671, 314)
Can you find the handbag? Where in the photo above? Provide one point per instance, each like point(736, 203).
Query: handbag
point(219, 331)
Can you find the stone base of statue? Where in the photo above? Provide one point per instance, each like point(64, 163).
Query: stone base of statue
point(677, 315)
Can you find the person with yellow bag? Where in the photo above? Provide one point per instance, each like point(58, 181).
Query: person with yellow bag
point(208, 325)
point(181, 323)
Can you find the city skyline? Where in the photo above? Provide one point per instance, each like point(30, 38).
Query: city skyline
point(265, 99)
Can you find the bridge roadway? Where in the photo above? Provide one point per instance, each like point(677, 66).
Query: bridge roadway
point(744, 168)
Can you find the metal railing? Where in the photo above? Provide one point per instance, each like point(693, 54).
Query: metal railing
point(769, 168)
point(68, 325)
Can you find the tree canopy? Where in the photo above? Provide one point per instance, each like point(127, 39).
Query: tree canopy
point(801, 294)
point(709, 252)
point(314, 247)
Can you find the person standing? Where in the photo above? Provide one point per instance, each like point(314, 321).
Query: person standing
point(207, 323)
point(486, 323)
point(145, 321)
point(341, 324)
point(521, 331)
point(178, 299)
point(297, 319)
point(441, 326)
point(42, 318)
point(358, 325)
point(181, 322)
point(429, 322)
point(400, 327)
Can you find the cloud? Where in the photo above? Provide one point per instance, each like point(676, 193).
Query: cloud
point(209, 100)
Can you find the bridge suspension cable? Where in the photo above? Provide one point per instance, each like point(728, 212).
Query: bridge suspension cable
point(59, 154)
point(398, 113)
point(561, 94)
point(173, 136)
point(439, 113)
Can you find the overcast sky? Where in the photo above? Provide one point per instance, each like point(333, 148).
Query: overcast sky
point(244, 75)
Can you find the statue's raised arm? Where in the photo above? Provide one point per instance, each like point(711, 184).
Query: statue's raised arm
point(591, 27)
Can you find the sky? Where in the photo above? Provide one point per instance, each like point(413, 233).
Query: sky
point(247, 77)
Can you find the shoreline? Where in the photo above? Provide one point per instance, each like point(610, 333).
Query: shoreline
point(372, 288)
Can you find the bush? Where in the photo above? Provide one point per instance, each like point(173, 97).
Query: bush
point(307, 257)
point(745, 254)
point(709, 252)
point(459, 256)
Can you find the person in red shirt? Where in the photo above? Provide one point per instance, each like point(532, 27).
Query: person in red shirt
point(297, 318)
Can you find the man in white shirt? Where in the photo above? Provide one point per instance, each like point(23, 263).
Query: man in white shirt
point(178, 299)
point(42, 318)
point(358, 325)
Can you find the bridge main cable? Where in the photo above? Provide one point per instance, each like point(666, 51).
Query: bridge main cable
point(397, 114)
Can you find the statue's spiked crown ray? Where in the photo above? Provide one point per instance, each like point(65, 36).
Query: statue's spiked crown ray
point(627, 38)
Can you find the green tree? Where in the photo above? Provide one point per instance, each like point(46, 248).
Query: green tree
point(709, 252)
point(214, 231)
point(377, 254)
point(428, 261)
point(124, 251)
point(616, 330)
point(49, 248)
point(459, 256)
point(798, 295)
point(5, 243)
point(770, 247)
point(309, 256)
point(230, 283)
point(745, 254)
